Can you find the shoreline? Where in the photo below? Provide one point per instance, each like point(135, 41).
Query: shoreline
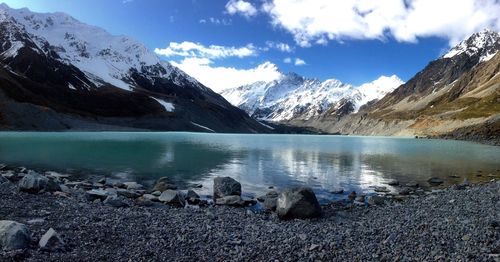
point(457, 223)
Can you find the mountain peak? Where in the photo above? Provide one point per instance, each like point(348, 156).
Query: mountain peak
point(484, 43)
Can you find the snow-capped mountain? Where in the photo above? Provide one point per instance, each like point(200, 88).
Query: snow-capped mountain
point(83, 73)
point(484, 44)
point(295, 97)
point(103, 57)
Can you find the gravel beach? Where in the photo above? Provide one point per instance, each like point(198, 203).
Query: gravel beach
point(445, 225)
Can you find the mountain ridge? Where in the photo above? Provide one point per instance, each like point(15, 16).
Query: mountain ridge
point(50, 60)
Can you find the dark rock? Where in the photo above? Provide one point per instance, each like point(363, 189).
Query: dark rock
point(360, 198)
point(34, 183)
point(404, 191)
point(13, 235)
point(299, 202)
point(435, 181)
point(115, 201)
point(226, 186)
point(164, 184)
point(393, 182)
point(271, 203)
point(382, 189)
point(412, 184)
point(192, 194)
point(102, 180)
point(127, 193)
point(100, 194)
point(51, 241)
point(172, 197)
point(376, 200)
point(352, 195)
point(337, 191)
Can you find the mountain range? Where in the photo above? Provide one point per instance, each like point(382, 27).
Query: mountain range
point(57, 73)
point(293, 97)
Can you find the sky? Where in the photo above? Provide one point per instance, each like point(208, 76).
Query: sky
point(227, 43)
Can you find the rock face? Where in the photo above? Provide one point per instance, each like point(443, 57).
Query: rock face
point(51, 241)
point(34, 183)
point(13, 235)
point(226, 186)
point(299, 202)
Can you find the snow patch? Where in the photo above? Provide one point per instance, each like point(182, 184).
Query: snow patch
point(204, 127)
point(169, 107)
point(70, 86)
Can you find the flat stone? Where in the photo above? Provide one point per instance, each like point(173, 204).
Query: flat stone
point(435, 181)
point(51, 241)
point(381, 189)
point(230, 201)
point(100, 194)
point(337, 191)
point(127, 193)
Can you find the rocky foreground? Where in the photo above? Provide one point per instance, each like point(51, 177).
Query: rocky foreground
point(64, 221)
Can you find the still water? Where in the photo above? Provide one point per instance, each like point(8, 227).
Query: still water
point(257, 161)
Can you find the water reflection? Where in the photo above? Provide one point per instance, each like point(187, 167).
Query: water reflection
point(257, 161)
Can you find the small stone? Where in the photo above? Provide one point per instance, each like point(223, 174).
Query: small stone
point(404, 192)
point(36, 221)
point(115, 202)
point(435, 181)
point(192, 194)
point(51, 241)
point(102, 180)
point(230, 201)
point(127, 193)
point(352, 195)
point(150, 197)
point(376, 201)
point(393, 182)
point(100, 194)
point(133, 185)
point(337, 191)
point(466, 238)
point(381, 189)
point(360, 198)
point(313, 247)
point(13, 235)
point(412, 184)
point(156, 193)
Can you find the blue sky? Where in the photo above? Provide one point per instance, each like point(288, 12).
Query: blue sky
point(211, 37)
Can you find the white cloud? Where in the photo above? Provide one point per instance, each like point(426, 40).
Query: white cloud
point(202, 21)
point(241, 7)
point(283, 47)
point(287, 60)
point(299, 62)
point(127, 1)
point(219, 78)
point(190, 49)
point(317, 21)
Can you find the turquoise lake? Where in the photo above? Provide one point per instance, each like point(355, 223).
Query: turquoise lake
point(257, 161)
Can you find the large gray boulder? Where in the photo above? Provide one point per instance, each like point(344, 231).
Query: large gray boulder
point(172, 197)
point(13, 235)
point(34, 183)
point(51, 241)
point(298, 202)
point(226, 186)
